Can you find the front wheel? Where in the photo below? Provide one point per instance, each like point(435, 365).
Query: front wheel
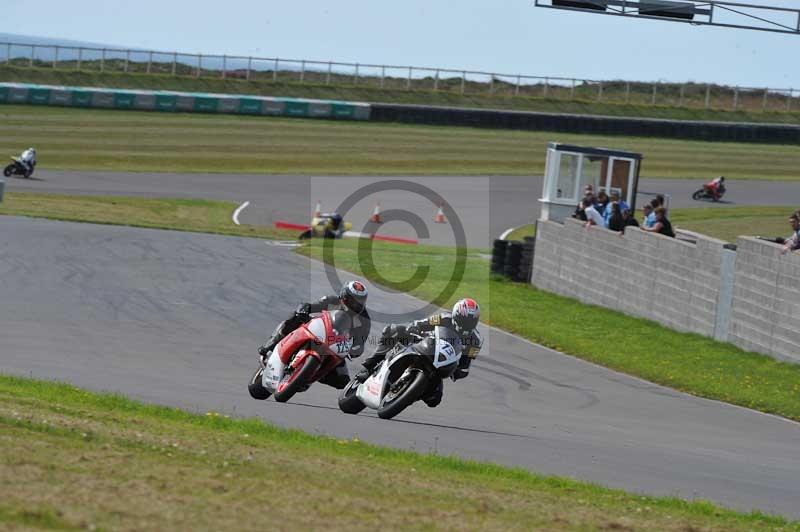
point(8, 170)
point(256, 389)
point(348, 402)
point(697, 195)
point(297, 380)
point(401, 395)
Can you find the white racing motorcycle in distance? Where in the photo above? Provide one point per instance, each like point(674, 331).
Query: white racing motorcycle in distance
point(404, 375)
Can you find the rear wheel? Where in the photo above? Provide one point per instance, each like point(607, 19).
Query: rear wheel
point(256, 389)
point(348, 402)
point(297, 380)
point(697, 195)
point(402, 394)
point(8, 170)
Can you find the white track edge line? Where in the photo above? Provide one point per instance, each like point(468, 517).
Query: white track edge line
point(236, 213)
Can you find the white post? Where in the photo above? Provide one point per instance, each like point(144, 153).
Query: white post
point(103, 60)
point(463, 82)
point(708, 96)
point(55, 57)
point(627, 92)
point(174, 63)
point(408, 82)
point(383, 75)
point(735, 98)
point(127, 59)
point(764, 103)
point(572, 90)
point(491, 83)
point(33, 53)
point(599, 91)
point(328, 75)
point(302, 71)
point(80, 56)
point(149, 62)
point(546, 87)
point(516, 88)
point(224, 66)
point(249, 68)
point(436, 81)
point(8, 53)
point(653, 99)
point(680, 98)
point(199, 65)
point(275, 70)
point(789, 100)
point(355, 78)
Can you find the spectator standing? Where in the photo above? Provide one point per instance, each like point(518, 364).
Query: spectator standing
point(580, 210)
point(609, 211)
point(647, 220)
point(616, 222)
point(602, 203)
point(663, 225)
point(629, 219)
point(793, 242)
point(650, 221)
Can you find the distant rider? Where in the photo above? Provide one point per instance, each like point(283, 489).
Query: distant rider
point(716, 187)
point(352, 298)
point(463, 320)
point(28, 159)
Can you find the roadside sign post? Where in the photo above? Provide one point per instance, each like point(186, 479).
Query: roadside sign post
point(2, 189)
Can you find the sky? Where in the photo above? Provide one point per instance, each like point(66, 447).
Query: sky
point(505, 36)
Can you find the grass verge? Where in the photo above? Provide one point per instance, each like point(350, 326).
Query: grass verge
point(90, 139)
point(503, 97)
point(687, 362)
point(199, 216)
point(76, 460)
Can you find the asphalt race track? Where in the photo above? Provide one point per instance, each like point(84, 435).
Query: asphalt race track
point(486, 206)
point(174, 318)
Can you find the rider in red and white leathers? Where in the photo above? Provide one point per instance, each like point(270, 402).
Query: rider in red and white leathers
point(463, 320)
point(353, 299)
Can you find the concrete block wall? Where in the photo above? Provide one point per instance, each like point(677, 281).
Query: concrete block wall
point(663, 279)
point(765, 311)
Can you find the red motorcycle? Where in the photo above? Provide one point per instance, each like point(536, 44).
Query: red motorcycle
point(713, 190)
point(303, 357)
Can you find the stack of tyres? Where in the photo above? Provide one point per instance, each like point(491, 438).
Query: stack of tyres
point(513, 259)
point(498, 257)
point(526, 264)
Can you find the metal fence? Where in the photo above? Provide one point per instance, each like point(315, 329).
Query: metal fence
point(398, 78)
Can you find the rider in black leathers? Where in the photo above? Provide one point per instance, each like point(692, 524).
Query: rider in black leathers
point(462, 320)
point(352, 298)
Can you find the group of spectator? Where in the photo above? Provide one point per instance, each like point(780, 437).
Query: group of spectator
point(615, 214)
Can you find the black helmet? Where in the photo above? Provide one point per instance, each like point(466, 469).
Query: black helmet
point(353, 296)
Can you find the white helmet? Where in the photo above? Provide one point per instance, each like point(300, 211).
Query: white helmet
point(466, 314)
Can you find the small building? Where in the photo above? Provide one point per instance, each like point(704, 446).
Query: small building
point(570, 169)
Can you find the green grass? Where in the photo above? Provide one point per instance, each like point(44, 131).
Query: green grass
point(724, 223)
point(79, 460)
point(687, 362)
point(477, 94)
point(84, 139)
point(202, 216)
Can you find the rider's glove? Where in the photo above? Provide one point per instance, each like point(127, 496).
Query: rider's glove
point(263, 351)
point(303, 309)
point(413, 330)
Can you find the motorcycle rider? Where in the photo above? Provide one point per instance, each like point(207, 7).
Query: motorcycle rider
point(463, 320)
point(716, 187)
point(28, 159)
point(352, 298)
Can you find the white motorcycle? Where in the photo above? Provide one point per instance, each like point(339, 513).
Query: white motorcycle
point(404, 375)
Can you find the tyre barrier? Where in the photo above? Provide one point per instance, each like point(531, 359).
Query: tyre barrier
point(186, 102)
point(513, 259)
point(570, 123)
point(498, 257)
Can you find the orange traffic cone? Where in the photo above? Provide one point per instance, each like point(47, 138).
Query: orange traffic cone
point(318, 209)
point(439, 218)
point(376, 214)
